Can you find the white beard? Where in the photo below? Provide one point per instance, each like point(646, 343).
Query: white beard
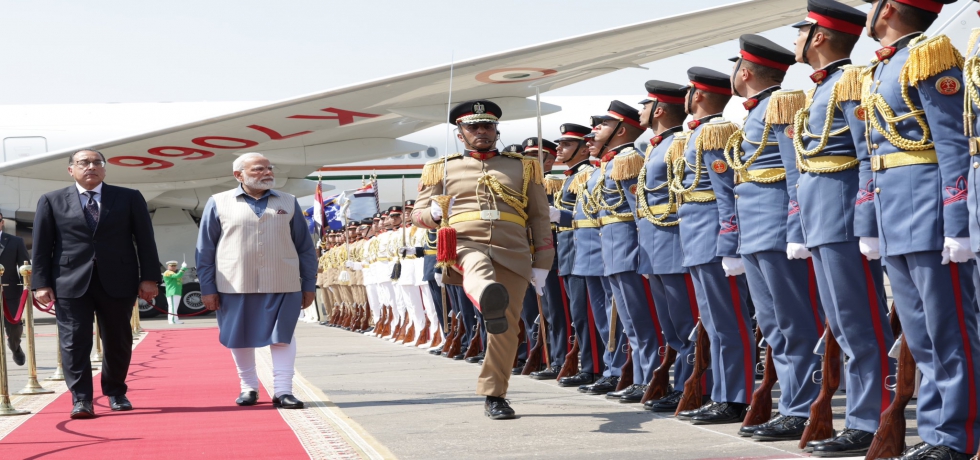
point(259, 184)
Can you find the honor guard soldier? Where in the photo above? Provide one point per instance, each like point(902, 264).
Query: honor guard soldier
point(588, 264)
point(572, 151)
point(435, 290)
point(556, 322)
point(836, 210)
point(619, 166)
point(709, 241)
point(497, 200)
point(912, 96)
point(660, 258)
point(770, 235)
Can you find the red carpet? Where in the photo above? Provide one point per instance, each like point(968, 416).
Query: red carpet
point(183, 385)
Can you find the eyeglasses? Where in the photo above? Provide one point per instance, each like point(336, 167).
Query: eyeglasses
point(86, 163)
point(261, 169)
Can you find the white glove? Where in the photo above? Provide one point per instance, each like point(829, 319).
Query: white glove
point(353, 265)
point(554, 214)
point(538, 277)
point(797, 251)
point(869, 247)
point(439, 279)
point(733, 266)
point(183, 265)
point(956, 250)
point(436, 211)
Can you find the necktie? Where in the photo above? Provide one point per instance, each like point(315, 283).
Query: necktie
point(92, 211)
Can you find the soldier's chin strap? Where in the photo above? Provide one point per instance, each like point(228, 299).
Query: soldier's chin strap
point(605, 144)
point(470, 144)
point(690, 100)
point(738, 66)
point(874, 20)
point(806, 44)
point(653, 108)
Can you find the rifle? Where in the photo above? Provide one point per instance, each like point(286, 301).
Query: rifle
point(657, 389)
point(889, 439)
point(409, 333)
point(474, 346)
point(424, 333)
point(760, 411)
point(626, 373)
point(456, 344)
point(570, 367)
point(821, 424)
point(450, 333)
point(533, 363)
point(691, 399)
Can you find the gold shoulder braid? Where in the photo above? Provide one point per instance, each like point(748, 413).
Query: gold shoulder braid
point(847, 88)
point(783, 106)
point(599, 191)
point(627, 165)
point(516, 200)
point(971, 80)
point(733, 151)
point(553, 184)
point(641, 195)
point(927, 57)
point(514, 155)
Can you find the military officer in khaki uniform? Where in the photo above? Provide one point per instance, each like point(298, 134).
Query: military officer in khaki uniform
point(498, 202)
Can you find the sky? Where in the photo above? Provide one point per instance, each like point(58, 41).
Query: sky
point(56, 52)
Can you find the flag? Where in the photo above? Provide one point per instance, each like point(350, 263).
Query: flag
point(331, 211)
point(363, 201)
point(310, 223)
point(318, 214)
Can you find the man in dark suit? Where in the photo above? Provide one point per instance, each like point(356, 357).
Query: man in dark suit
point(13, 253)
point(94, 252)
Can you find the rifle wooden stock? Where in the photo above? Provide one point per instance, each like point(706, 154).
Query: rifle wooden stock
point(475, 345)
point(821, 424)
point(894, 322)
point(570, 366)
point(760, 411)
point(889, 440)
point(657, 389)
point(626, 376)
point(692, 387)
point(424, 333)
point(534, 355)
point(453, 341)
point(409, 333)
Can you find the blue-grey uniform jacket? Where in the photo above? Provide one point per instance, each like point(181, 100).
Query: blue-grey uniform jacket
point(660, 246)
point(565, 203)
point(620, 251)
point(588, 248)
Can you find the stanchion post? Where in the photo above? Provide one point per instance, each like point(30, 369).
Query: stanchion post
point(96, 359)
point(58, 375)
point(32, 387)
point(6, 408)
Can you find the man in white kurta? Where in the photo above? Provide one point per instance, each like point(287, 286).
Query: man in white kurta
point(257, 267)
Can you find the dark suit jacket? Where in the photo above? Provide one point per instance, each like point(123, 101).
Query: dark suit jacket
point(65, 247)
point(13, 253)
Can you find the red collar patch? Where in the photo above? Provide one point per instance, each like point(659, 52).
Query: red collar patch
point(885, 53)
point(656, 140)
point(750, 104)
point(483, 156)
point(818, 76)
point(693, 124)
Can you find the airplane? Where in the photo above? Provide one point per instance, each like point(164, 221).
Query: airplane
point(179, 154)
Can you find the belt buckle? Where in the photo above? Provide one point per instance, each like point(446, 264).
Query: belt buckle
point(490, 214)
point(974, 147)
point(876, 163)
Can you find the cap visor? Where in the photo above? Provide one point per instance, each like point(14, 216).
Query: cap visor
point(801, 24)
point(645, 101)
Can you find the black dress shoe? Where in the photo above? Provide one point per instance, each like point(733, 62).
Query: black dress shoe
point(726, 412)
point(247, 398)
point(817, 442)
point(748, 431)
point(436, 351)
point(519, 369)
point(635, 396)
point(784, 429)
point(847, 444)
point(620, 393)
point(287, 401)
point(603, 386)
point(667, 404)
point(18, 355)
point(688, 414)
point(550, 373)
point(120, 403)
point(475, 359)
point(582, 378)
point(498, 409)
point(493, 305)
point(460, 356)
point(923, 451)
point(82, 410)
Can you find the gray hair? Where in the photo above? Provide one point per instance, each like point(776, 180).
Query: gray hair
point(239, 164)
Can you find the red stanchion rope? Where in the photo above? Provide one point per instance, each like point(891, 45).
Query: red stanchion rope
point(20, 309)
point(45, 308)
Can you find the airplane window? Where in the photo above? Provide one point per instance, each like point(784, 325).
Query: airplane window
point(415, 154)
point(398, 157)
point(430, 152)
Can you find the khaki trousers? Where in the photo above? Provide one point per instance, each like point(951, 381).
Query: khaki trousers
point(479, 271)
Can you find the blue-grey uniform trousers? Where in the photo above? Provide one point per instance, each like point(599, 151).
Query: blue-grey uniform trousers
point(600, 293)
point(677, 308)
point(638, 316)
point(789, 315)
point(584, 324)
point(471, 318)
point(556, 324)
point(725, 317)
point(935, 303)
point(437, 301)
point(852, 293)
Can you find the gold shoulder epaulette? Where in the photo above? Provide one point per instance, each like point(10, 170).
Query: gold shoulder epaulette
point(783, 106)
point(514, 155)
point(676, 149)
point(930, 57)
point(580, 178)
point(626, 165)
point(433, 171)
point(849, 86)
point(532, 166)
point(715, 134)
point(553, 183)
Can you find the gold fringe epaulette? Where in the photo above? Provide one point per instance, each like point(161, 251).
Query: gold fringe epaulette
point(930, 57)
point(850, 83)
point(974, 37)
point(533, 167)
point(715, 134)
point(783, 106)
point(514, 155)
point(676, 149)
point(553, 183)
point(433, 171)
point(580, 178)
point(626, 165)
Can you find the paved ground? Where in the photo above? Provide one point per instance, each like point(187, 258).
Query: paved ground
point(419, 406)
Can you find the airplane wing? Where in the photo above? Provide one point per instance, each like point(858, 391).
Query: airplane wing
point(364, 121)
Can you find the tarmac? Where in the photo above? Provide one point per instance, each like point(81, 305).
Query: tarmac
point(412, 405)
